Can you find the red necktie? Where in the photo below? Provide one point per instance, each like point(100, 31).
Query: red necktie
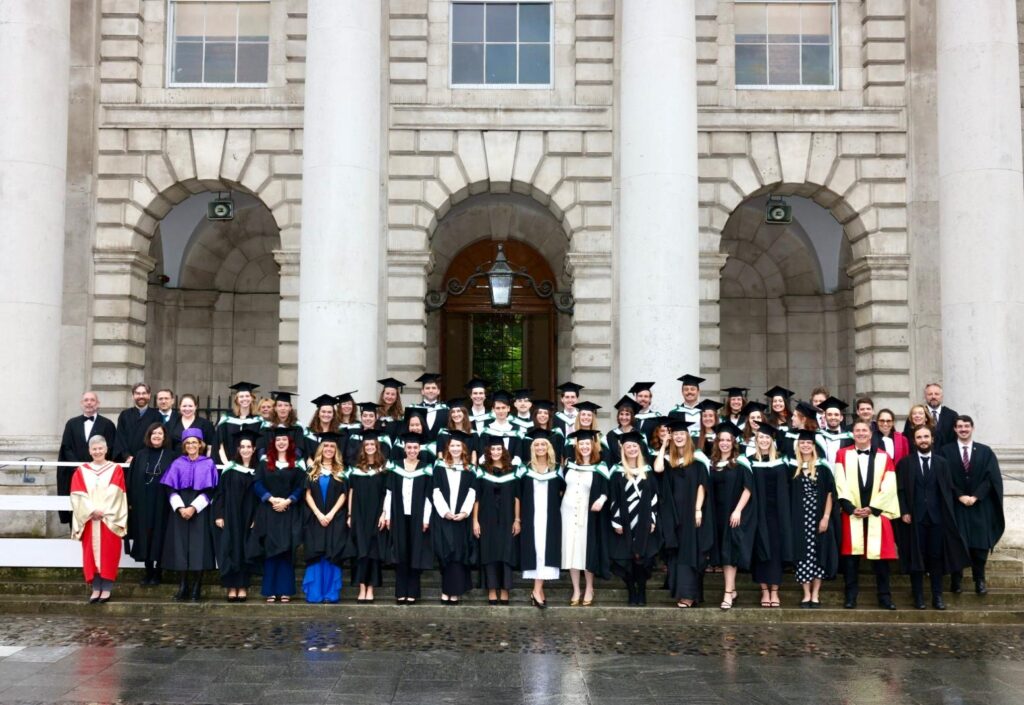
point(966, 461)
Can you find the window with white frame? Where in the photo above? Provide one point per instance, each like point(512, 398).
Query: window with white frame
point(216, 42)
point(502, 43)
point(785, 44)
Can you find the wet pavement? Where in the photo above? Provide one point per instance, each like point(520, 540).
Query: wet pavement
point(365, 660)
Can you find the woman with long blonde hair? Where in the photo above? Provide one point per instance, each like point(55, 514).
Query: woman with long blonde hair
point(634, 518)
point(325, 531)
point(540, 499)
point(815, 552)
point(366, 514)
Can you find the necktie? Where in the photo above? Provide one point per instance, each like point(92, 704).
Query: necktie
point(966, 460)
point(935, 415)
point(924, 465)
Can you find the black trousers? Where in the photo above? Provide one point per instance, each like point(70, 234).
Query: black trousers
point(497, 576)
point(851, 576)
point(929, 539)
point(407, 578)
point(367, 572)
point(979, 557)
point(455, 579)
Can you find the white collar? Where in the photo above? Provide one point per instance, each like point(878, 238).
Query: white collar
point(967, 445)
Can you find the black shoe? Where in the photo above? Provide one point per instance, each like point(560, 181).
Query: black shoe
point(805, 605)
point(182, 593)
point(850, 604)
point(886, 604)
point(641, 595)
point(492, 602)
point(980, 587)
point(814, 605)
point(104, 600)
point(938, 603)
point(503, 602)
point(537, 603)
point(197, 590)
point(158, 577)
point(956, 585)
point(919, 603)
point(94, 600)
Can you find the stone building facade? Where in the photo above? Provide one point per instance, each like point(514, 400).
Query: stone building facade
point(638, 175)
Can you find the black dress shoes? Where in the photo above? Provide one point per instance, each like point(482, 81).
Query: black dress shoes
point(886, 604)
point(980, 587)
point(850, 604)
point(956, 584)
point(919, 603)
point(938, 603)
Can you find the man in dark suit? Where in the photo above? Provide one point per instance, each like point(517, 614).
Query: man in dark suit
point(435, 411)
point(929, 539)
point(978, 485)
point(943, 417)
point(74, 444)
point(165, 407)
point(133, 422)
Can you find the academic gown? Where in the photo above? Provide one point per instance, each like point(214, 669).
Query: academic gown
point(954, 550)
point(427, 455)
point(74, 448)
point(824, 548)
point(147, 503)
point(325, 541)
point(234, 503)
point(598, 524)
point(686, 543)
point(452, 541)
point(981, 525)
point(430, 430)
point(513, 439)
point(733, 546)
point(189, 544)
point(354, 442)
point(130, 436)
point(611, 448)
point(227, 433)
point(276, 533)
point(101, 488)
point(177, 427)
point(364, 539)
point(639, 543)
point(496, 495)
point(773, 545)
point(296, 431)
point(416, 552)
point(553, 486)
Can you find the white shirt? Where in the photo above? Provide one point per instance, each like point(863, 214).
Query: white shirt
point(406, 502)
point(89, 422)
point(862, 462)
point(969, 447)
point(444, 504)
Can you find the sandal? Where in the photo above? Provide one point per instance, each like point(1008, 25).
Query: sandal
point(775, 604)
point(766, 600)
point(683, 605)
point(271, 600)
point(285, 598)
point(727, 599)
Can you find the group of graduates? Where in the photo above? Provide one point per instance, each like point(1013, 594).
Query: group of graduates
point(739, 486)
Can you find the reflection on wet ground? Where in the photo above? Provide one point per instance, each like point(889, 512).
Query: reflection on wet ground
point(363, 660)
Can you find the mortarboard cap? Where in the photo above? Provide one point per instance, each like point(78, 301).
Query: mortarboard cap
point(689, 379)
point(728, 427)
point(347, 396)
point(330, 437)
point(279, 431)
point(415, 411)
point(752, 406)
point(569, 387)
point(806, 435)
point(626, 403)
point(501, 396)
point(490, 440)
point(369, 435)
point(543, 405)
point(457, 402)
point(461, 436)
point(537, 432)
point(678, 424)
point(632, 437)
point(641, 387)
point(587, 406)
point(475, 383)
point(367, 406)
point(427, 377)
point(244, 387)
point(324, 400)
point(778, 391)
point(583, 435)
point(710, 405)
point(391, 383)
point(522, 394)
point(248, 434)
point(735, 391)
point(833, 403)
point(767, 429)
point(807, 409)
point(281, 396)
point(410, 437)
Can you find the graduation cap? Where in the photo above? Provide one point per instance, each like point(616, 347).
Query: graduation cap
point(640, 387)
point(330, 437)
point(833, 403)
point(501, 397)
point(347, 396)
point(778, 391)
point(278, 431)
point(461, 436)
point(244, 387)
point(728, 427)
point(631, 437)
point(735, 392)
point(587, 406)
point(692, 380)
point(752, 406)
point(583, 435)
point(806, 436)
point(192, 433)
point(367, 406)
point(522, 394)
point(626, 403)
point(415, 412)
point(807, 409)
point(281, 396)
point(543, 405)
point(324, 400)
point(767, 429)
point(391, 383)
point(410, 437)
point(536, 433)
point(248, 434)
point(457, 402)
point(570, 387)
point(710, 405)
point(678, 424)
point(490, 441)
point(428, 377)
point(370, 434)
point(475, 383)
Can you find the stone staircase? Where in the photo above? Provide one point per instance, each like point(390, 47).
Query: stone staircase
point(60, 591)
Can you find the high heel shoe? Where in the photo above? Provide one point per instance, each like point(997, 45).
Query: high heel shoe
point(588, 603)
point(502, 602)
point(492, 602)
point(537, 603)
point(727, 600)
point(574, 602)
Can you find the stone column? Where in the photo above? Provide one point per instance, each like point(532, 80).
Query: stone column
point(659, 273)
point(339, 286)
point(981, 213)
point(34, 49)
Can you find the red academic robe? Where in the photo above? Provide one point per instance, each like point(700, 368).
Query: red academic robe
point(99, 488)
point(873, 536)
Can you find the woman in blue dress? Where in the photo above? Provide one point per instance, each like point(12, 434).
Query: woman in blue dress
point(325, 531)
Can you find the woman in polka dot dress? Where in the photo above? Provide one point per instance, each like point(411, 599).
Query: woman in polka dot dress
point(814, 546)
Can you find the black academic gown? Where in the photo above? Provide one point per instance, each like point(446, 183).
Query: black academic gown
point(981, 525)
point(365, 540)
point(131, 431)
point(297, 432)
point(276, 533)
point(733, 546)
point(825, 547)
point(640, 543)
point(354, 442)
point(176, 428)
point(74, 448)
point(325, 541)
point(452, 541)
point(774, 540)
point(234, 503)
point(686, 543)
point(912, 558)
point(147, 503)
point(496, 497)
point(430, 431)
point(599, 526)
point(553, 485)
point(416, 552)
point(189, 545)
point(227, 434)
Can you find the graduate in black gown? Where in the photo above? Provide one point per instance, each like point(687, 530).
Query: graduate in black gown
point(543, 418)
point(709, 420)
point(186, 419)
point(540, 499)
point(370, 425)
point(815, 551)
point(586, 523)
point(735, 511)
point(284, 416)
point(147, 502)
point(686, 514)
point(634, 541)
point(132, 424)
point(415, 424)
point(407, 512)
point(522, 405)
point(496, 519)
point(773, 547)
point(454, 493)
point(324, 421)
point(391, 411)
point(277, 529)
point(435, 411)
point(501, 427)
point(234, 510)
point(366, 542)
point(458, 420)
point(325, 530)
point(626, 409)
point(243, 417)
point(190, 482)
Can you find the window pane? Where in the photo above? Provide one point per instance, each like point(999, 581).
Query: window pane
point(221, 22)
point(468, 63)
point(501, 63)
point(751, 67)
point(783, 23)
point(220, 62)
point(817, 65)
point(535, 63)
point(501, 23)
point(254, 22)
point(535, 23)
point(188, 21)
point(468, 22)
point(783, 65)
point(816, 24)
point(750, 24)
point(188, 62)
point(252, 63)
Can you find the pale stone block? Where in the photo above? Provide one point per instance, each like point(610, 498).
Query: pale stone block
point(411, 165)
point(744, 176)
point(590, 72)
point(598, 216)
point(470, 149)
point(127, 164)
point(401, 141)
point(529, 150)
point(844, 175)
point(273, 140)
point(588, 167)
point(121, 26)
point(822, 157)
point(886, 29)
point(713, 169)
point(125, 71)
point(408, 49)
point(595, 28)
point(120, 49)
point(590, 192)
point(113, 189)
point(209, 151)
point(595, 51)
point(145, 140)
point(287, 164)
point(765, 155)
point(599, 143)
point(594, 94)
point(407, 28)
point(500, 147)
point(179, 154)
point(728, 143)
point(882, 95)
point(565, 143)
point(885, 74)
point(548, 176)
point(451, 175)
point(436, 141)
point(892, 144)
point(112, 141)
point(236, 152)
point(857, 144)
point(794, 150)
point(405, 190)
point(257, 172)
point(407, 71)
point(435, 196)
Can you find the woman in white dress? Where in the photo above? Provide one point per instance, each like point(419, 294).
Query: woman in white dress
point(585, 520)
point(541, 490)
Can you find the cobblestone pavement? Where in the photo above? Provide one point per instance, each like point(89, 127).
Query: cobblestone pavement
point(361, 661)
